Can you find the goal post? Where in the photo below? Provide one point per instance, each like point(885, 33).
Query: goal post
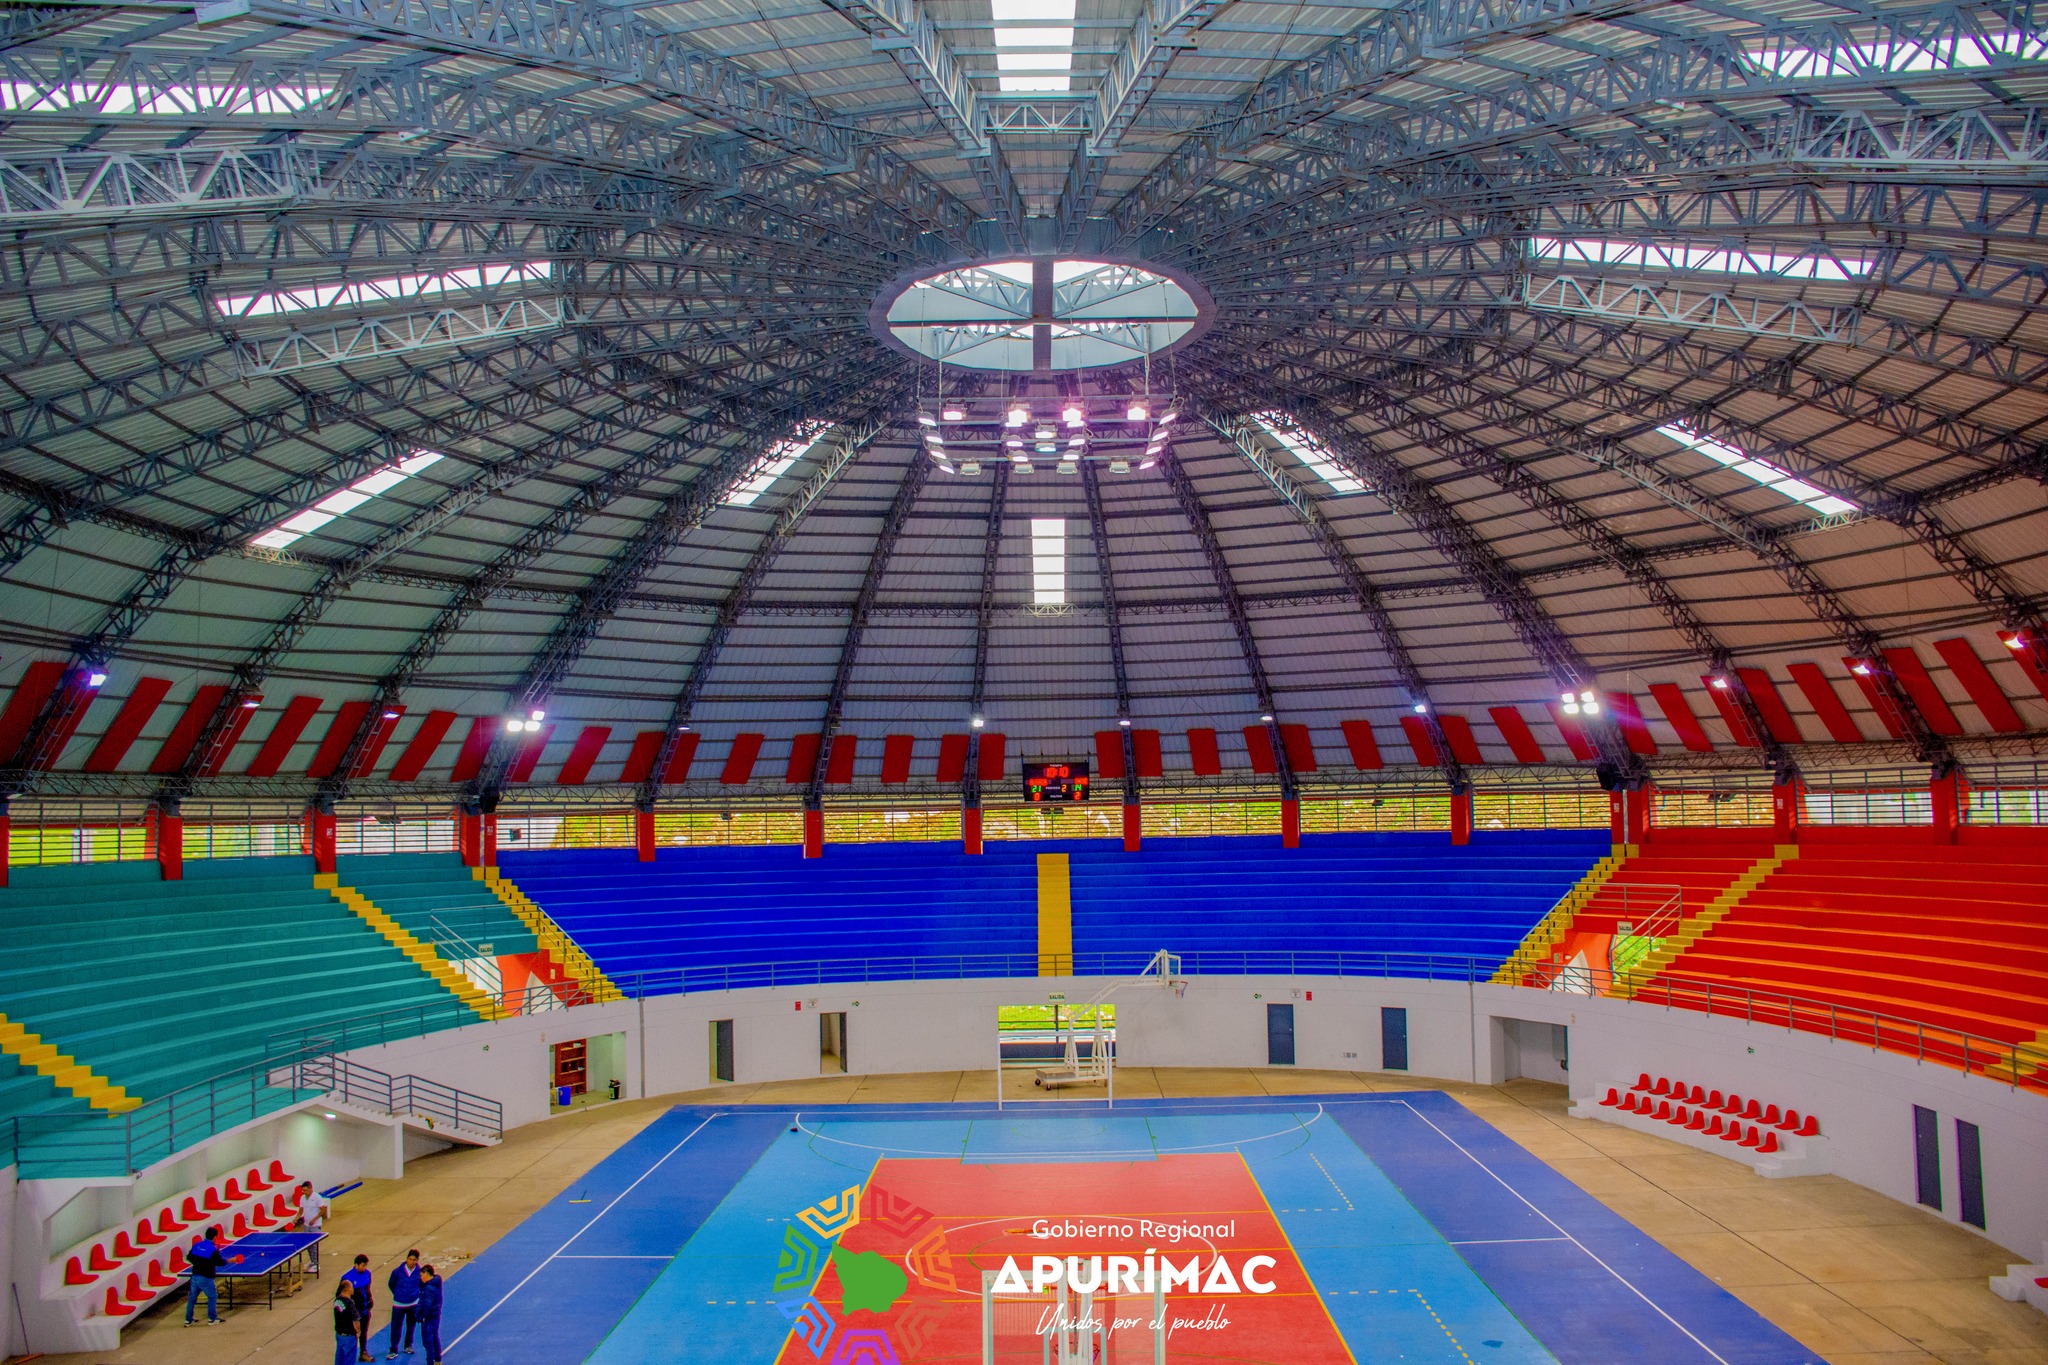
point(1057, 1326)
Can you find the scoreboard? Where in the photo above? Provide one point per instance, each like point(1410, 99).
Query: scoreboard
point(1055, 781)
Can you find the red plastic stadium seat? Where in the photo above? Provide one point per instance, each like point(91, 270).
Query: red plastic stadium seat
point(280, 1207)
point(1664, 1110)
point(1771, 1115)
point(176, 1260)
point(1790, 1123)
point(214, 1203)
point(135, 1292)
point(278, 1176)
point(1613, 1100)
point(233, 1192)
point(254, 1180)
point(1714, 1099)
point(1642, 1082)
point(1811, 1128)
point(1713, 1129)
point(1698, 1121)
point(1662, 1087)
point(167, 1224)
point(1699, 1096)
point(260, 1217)
point(1752, 1138)
point(189, 1211)
point(1734, 1105)
point(1770, 1142)
point(124, 1247)
point(158, 1279)
point(114, 1308)
point(74, 1273)
point(241, 1228)
point(98, 1261)
point(147, 1236)
point(1751, 1112)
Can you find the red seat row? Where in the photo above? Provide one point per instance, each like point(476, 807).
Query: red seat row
point(1733, 1119)
point(141, 1286)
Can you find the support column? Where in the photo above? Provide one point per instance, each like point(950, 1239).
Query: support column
point(970, 829)
point(469, 837)
point(1461, 815)
point(7, 839)
point(323, 841)
point(1134, 826)
point(1785, 792)
point(1640, 804)
point(1946, 791)
point(1290, 822)
point(487, 839)
point(814, 833)
point(643, 834)
point(170, 843)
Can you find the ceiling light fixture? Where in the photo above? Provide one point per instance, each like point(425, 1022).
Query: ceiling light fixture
point(953, 412)
point(1137, 412)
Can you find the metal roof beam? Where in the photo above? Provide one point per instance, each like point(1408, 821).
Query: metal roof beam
point(1183, 490)
point(1098, 532)
point(613, 46)
point(850, 443)
point(886, 540)
point(1249, 442)
point(984, 621)
point(1644, 82)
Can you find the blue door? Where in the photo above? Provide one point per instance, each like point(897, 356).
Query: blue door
point(1393, 1039)
point(1280, 1035)
point(1927, 1155)
point(1970, 1173)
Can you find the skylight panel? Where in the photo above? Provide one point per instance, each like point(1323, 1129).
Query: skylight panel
point(1048, 561)
point(1759, 471)
point(357, 293)
point(1052, 32)
point(1960, 52)
point(1034, 61)
point(775, 462)
point(343, 501)
point(1025, 84)
point(1818, 263)
point(167, 101)
point(1035, 37)
point(1309, 451)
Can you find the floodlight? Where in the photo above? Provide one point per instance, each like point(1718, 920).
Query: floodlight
point(1073, 416)
point(1137, 412)
point(99, 679)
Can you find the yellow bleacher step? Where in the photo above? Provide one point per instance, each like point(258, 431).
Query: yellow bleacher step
point(1542, 940)
point(422, 956)
point(554, 941)
point(1055, 915)
point(1696, 927)
point(66, 1073)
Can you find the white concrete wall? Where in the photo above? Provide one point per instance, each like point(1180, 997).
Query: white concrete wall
point(1863, 1098)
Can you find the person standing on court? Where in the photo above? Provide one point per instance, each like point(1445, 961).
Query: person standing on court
point(346, 1319)
point(313, 1209)
point(359, 1276)
point(430, 1314)
point(404, 1283)
point(206, 1258)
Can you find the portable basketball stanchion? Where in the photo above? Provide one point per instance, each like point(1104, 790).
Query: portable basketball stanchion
point(1101, 1069)
point(1081, 1330)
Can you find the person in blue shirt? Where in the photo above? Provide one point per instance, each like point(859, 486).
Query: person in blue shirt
point(359, 1277)
point(404, 1282)
point(206, 1258)
point(430, 1313)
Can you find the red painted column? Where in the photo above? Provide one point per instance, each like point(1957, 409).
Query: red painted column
point(170, 846)
point(970, 829)
point(323, 841)
point(6, 842)
point(814, 834)
point(487, 840)
point(1461, 816)
point(1134, 826)
point(1947, 794)
point(1785, 811)
point(1290, 823)
point(469, 838)
point(1638, 823)
point(643, 834)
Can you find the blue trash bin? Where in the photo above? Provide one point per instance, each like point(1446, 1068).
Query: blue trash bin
point(562, 1096)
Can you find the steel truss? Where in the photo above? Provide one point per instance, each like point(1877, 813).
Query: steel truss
point(1098, 534)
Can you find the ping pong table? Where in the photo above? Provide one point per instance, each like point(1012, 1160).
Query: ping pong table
point(268, 1255)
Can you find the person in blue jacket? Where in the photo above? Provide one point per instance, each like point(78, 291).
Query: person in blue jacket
point(359, 1277)
point(404, 1283)
point(206, 1258)
point(430, 1313)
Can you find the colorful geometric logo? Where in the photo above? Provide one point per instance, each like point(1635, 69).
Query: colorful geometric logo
point(864, 1346)
point(893, 1213)
point(830, 1217)
point(798, 1264)
point(810, 1321)
point(931, 1262)
point(868, 1279)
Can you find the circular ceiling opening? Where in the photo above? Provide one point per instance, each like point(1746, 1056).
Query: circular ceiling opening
point(1041, 313)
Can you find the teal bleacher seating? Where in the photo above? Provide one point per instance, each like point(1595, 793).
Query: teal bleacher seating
point(432, 895)
point(160, 985)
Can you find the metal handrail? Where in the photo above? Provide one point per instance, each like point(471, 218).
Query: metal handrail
point(164, 1125)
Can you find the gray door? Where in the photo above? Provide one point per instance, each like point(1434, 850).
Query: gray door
point(721, 1049)
point(1280, 1035)
point(1393, 1038)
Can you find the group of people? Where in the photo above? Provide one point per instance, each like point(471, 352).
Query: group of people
point(415, 1291)
point(415, 1305)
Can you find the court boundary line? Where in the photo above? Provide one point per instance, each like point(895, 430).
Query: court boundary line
point(1154, 1152)
point(1591, 1255)
point(569, 1241)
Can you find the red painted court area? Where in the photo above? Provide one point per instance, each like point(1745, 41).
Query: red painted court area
point(945, 1222)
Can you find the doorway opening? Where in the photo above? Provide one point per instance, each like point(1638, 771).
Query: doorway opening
point(832, 1043)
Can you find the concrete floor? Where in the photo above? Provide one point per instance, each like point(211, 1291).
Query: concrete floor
point(1854, 1276)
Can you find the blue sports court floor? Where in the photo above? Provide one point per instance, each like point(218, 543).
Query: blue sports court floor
point(1402, 1228)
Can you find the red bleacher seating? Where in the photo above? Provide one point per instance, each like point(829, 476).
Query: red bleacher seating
point(1734, 1119)
point(1953, 937)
